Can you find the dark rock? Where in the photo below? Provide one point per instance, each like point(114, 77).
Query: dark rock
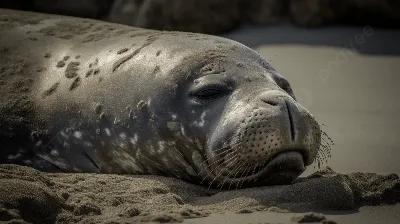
point(182, 15)
point(88, 8)
point(382, 13)
point(309, 218)
point(125, 11)
point(265, 12)
point(218, 16)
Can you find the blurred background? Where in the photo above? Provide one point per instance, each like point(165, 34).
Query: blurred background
point(342, 57)
point(218, 16)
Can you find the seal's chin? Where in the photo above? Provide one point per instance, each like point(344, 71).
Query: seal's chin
point(282, 168)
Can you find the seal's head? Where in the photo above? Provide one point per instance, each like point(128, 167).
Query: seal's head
point(253, 129)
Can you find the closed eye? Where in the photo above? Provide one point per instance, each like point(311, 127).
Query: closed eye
point(209, 91)
point(208, 94)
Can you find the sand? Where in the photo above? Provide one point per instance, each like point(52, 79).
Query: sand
point(30, 196)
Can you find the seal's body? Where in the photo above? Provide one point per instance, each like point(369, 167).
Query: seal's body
point(80, 95)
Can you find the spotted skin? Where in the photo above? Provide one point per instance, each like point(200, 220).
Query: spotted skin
point(80, 95)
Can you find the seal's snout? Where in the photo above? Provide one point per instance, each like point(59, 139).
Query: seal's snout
point(274, 140)
point(288, 109)
point(263, 133)
point(277, 124)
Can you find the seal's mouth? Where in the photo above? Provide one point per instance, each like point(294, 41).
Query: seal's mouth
point(282, 168)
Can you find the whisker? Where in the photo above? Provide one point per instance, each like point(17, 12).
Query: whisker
point(221, 184)
point(209, 186)
point(222, 148)
point(247, 171)
point(324, 150)
point(227, 166)
point(212, 171)
point(230, 185)
point(227, 142)
point(233, 170)
point(217, 161)
point(263, 164)
point(226, 148)
point(237, 184)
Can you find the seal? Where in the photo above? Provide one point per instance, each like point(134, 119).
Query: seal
point(81, 95)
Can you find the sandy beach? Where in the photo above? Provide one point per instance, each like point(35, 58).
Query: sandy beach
point(29, 196)
point(353, 91)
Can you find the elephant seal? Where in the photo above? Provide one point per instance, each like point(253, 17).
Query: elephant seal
point(79, 95)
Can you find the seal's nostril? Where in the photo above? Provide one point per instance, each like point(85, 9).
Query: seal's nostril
point(291, 122)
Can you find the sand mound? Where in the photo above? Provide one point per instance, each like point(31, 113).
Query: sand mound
point(27, 195)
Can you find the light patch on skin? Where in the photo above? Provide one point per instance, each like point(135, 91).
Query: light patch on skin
point(202, 120)
point(198, 160)
point(180, 161)
point(153, 115)
point(173, 126)
point(54, 152)
point(78, 134)
point(165, 160)
point(161, 146)
point(199, 145)
point(28, 162)
point(123, 145)
point(116, 120)
point(237, 112)
point(59, 162)
point(66, 145)
point(122, 135)
point(12, 157)
point(38, 143)
point(183, 130)
point(108, 132)
point(126, 161)
point(190, 140)
point(138, 153)
point(190, 171)
point(134, 139)
point(64, 135)
point(121, 141)
point(152, 151)
point(174, 116)
point(88, 144)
